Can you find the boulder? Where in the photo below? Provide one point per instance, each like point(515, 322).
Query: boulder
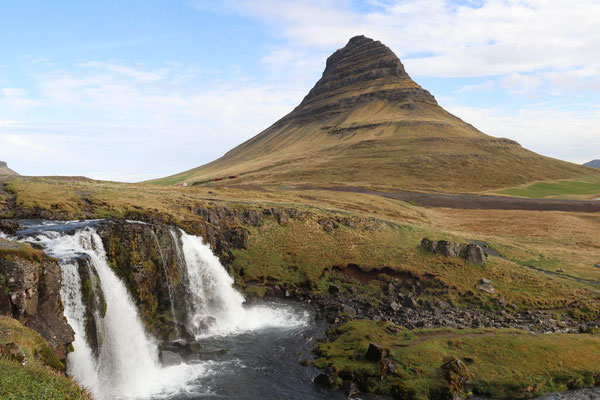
point(168, 358)
point(334, 289)
point(457, 377)
point(13, 352)
point(9, 227)
point(349, 389)
point(376, 352)
point(475, 254)
point(328, 378)
point(485, 285)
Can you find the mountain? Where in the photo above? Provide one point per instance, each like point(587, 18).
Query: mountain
point(593, 164)
point(367, 123)
point(4, 170)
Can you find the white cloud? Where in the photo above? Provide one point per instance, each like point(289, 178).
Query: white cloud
point(486, 38)
point(16, 98)
point(567, 135)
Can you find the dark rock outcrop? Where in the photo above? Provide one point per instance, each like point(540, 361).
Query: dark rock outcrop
point(376, 352)
point(457, 377)
point(470, 252)
point(30, 293)
point(14, 352)
point(147, 259)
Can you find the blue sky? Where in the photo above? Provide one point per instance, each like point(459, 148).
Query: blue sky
point(131, 90)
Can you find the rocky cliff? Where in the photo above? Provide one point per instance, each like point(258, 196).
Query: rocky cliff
point(30, 285)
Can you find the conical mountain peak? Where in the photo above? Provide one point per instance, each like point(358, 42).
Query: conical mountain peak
point(363, 71)
point(362, 59)
point(366, 122)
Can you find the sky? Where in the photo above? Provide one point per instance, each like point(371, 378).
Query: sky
point(131, 90)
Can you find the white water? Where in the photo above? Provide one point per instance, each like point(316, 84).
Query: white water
point(127, 366)
point(213, 295)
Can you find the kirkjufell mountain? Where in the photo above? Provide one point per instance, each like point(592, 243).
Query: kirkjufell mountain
point(366, 122)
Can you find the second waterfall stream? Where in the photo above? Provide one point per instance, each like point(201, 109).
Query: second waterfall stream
point(125, 364)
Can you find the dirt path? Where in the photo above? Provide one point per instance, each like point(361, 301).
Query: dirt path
point(468, 201)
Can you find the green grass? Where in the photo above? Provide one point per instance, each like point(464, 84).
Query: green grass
point(505, 363)
point(41, 377)
point(556, 189)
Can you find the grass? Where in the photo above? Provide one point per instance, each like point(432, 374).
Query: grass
point(41, 377)
point(505, 363)
point(22, 250)
point(302, 254)
point(560, 189)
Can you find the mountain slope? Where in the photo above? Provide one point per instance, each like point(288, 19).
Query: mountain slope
point(593, 164)
point(366, 122)
point(5, 171)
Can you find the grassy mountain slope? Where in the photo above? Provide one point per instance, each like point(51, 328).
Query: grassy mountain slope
point(366, 122)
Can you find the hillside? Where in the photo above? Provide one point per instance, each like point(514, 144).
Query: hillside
point(5, 171)
point(367, 123)
point(593, 164)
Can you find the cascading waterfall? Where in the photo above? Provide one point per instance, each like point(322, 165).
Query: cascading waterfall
point(127, 364)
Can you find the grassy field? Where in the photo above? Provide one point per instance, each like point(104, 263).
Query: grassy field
point(505, 363)
point(301, 253)
point(40, 378)
point(584, 189)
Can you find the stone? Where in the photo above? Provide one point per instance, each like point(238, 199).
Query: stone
point(13, 352)
point(9, 227)
point(334, 289)
point(207, 322)
point(475, 254)
point(349, 389)
point(457, 377)
point(376, 352)
point(348, 310)
point(168, 358)
point(395, 306)
point(410, 302)
point(328, 378)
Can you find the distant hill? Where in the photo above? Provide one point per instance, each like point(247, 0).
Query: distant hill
point(367, 123)
point(593, 164)
point(5, 171)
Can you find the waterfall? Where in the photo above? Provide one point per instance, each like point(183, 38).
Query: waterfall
point(216, 307)
point(127, 365)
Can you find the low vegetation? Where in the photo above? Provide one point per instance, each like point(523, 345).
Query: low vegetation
point(584, 189)
point(504, 363)
point(40, 377)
